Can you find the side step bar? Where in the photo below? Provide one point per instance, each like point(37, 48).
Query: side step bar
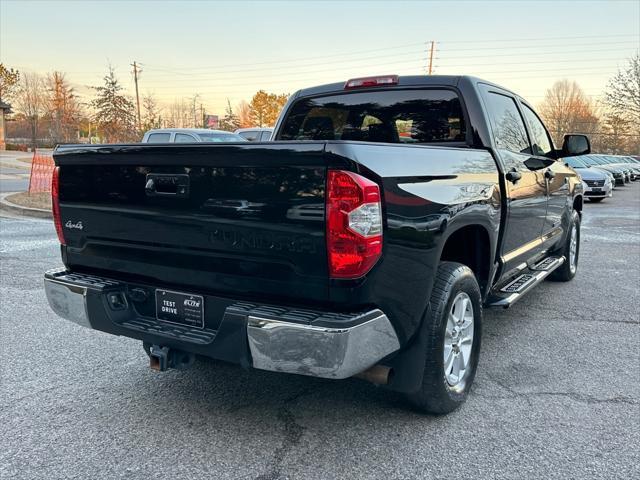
point(517, 288)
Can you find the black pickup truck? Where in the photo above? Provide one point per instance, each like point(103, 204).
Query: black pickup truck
point(364, 240)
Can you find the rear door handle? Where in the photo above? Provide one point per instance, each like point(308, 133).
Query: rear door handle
point(549, 174)
point(513, 175)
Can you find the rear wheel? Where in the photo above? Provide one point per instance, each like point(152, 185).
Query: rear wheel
point(454, 325)
point(571, 252)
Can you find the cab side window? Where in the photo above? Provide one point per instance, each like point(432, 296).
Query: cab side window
point(541, 144)
point(184, 138)
point(508, 126)
point(159, 138)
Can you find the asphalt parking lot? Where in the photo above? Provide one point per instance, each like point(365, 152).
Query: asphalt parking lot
point(557, 393)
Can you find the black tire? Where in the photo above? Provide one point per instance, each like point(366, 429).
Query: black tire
point(596, 200)
point(436, 395)
point(567, 271)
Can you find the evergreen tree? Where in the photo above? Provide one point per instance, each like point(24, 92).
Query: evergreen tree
point(230, 121)
point(115, 113)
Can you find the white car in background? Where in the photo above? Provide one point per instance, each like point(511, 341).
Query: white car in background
point(189, 135)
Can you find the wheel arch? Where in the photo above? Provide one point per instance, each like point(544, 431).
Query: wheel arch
point(479, 258)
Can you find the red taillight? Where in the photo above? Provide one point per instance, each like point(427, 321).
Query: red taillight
point(354, 224)
point(371, 81)
point(55, 204)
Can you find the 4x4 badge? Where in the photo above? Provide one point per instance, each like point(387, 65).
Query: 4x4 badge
point(78, 225)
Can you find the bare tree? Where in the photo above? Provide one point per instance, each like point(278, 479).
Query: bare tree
point(152, 117)
point(31, 102)
point(62, 107)
point(622, 101)
point(566, 109)
point(243, 111)
point(179, 115)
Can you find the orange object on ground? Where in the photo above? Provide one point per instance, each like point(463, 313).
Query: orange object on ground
point(41, 172)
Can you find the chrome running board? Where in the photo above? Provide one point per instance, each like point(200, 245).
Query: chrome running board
point(523, 283)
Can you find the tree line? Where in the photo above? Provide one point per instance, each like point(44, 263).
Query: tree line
point(48, 108)
point(613, 123)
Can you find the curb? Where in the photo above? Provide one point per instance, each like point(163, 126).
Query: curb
point(7, 206)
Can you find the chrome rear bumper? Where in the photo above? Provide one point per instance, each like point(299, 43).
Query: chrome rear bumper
point(68, 301)
point(321, 351)
point(280, 339)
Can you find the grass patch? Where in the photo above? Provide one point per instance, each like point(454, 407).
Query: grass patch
point(40, 200)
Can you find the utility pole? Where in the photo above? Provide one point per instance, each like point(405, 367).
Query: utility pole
point(136, 70)
point(431, 57)
point(202, 116)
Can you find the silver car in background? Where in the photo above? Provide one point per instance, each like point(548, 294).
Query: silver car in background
point(596, 162)
point(189, 135)
point(597, 184)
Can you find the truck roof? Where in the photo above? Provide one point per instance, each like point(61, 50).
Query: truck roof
point(403, 81)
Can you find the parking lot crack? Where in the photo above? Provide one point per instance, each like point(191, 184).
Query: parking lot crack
point(587, 398)
point(577, 397)
point(293, 432)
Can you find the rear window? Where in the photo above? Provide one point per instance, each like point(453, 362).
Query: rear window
point(392, 116)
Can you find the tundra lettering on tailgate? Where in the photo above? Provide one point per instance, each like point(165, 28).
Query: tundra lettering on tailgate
point(262, 241)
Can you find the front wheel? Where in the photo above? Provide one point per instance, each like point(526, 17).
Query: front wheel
point(570, 250)
point(453, 329)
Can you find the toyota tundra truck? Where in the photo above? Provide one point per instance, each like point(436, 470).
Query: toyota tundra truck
point(364, 240)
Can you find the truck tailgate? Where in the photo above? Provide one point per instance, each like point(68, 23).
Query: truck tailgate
point(243, 219)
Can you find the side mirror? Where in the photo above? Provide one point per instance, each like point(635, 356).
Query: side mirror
point(575, 145)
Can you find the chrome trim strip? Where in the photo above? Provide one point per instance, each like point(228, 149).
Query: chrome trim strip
point(68, 300)
point(303, 349)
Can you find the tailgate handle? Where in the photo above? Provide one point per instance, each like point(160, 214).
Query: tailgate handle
point(167, 185)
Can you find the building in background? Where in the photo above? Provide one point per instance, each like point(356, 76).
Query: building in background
point(5, 109)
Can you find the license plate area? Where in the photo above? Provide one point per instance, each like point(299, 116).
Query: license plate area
point(596, 189)
point(180, 308)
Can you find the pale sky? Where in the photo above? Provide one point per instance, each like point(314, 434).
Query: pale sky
point(231, 49)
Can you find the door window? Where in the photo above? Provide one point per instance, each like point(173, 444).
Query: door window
point(158, 138)
point(251, 135)
point(184, 138)
point(508, 126)
point(541, 144)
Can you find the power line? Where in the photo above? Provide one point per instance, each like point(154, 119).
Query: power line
point(307, 75)
point(637, 35)
point(537, 46)
point(546, 53)
point(272, 62)
point(207, 78)
point(170, 70)
point(298, 60)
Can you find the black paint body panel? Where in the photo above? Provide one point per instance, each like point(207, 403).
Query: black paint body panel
point(252, 227)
